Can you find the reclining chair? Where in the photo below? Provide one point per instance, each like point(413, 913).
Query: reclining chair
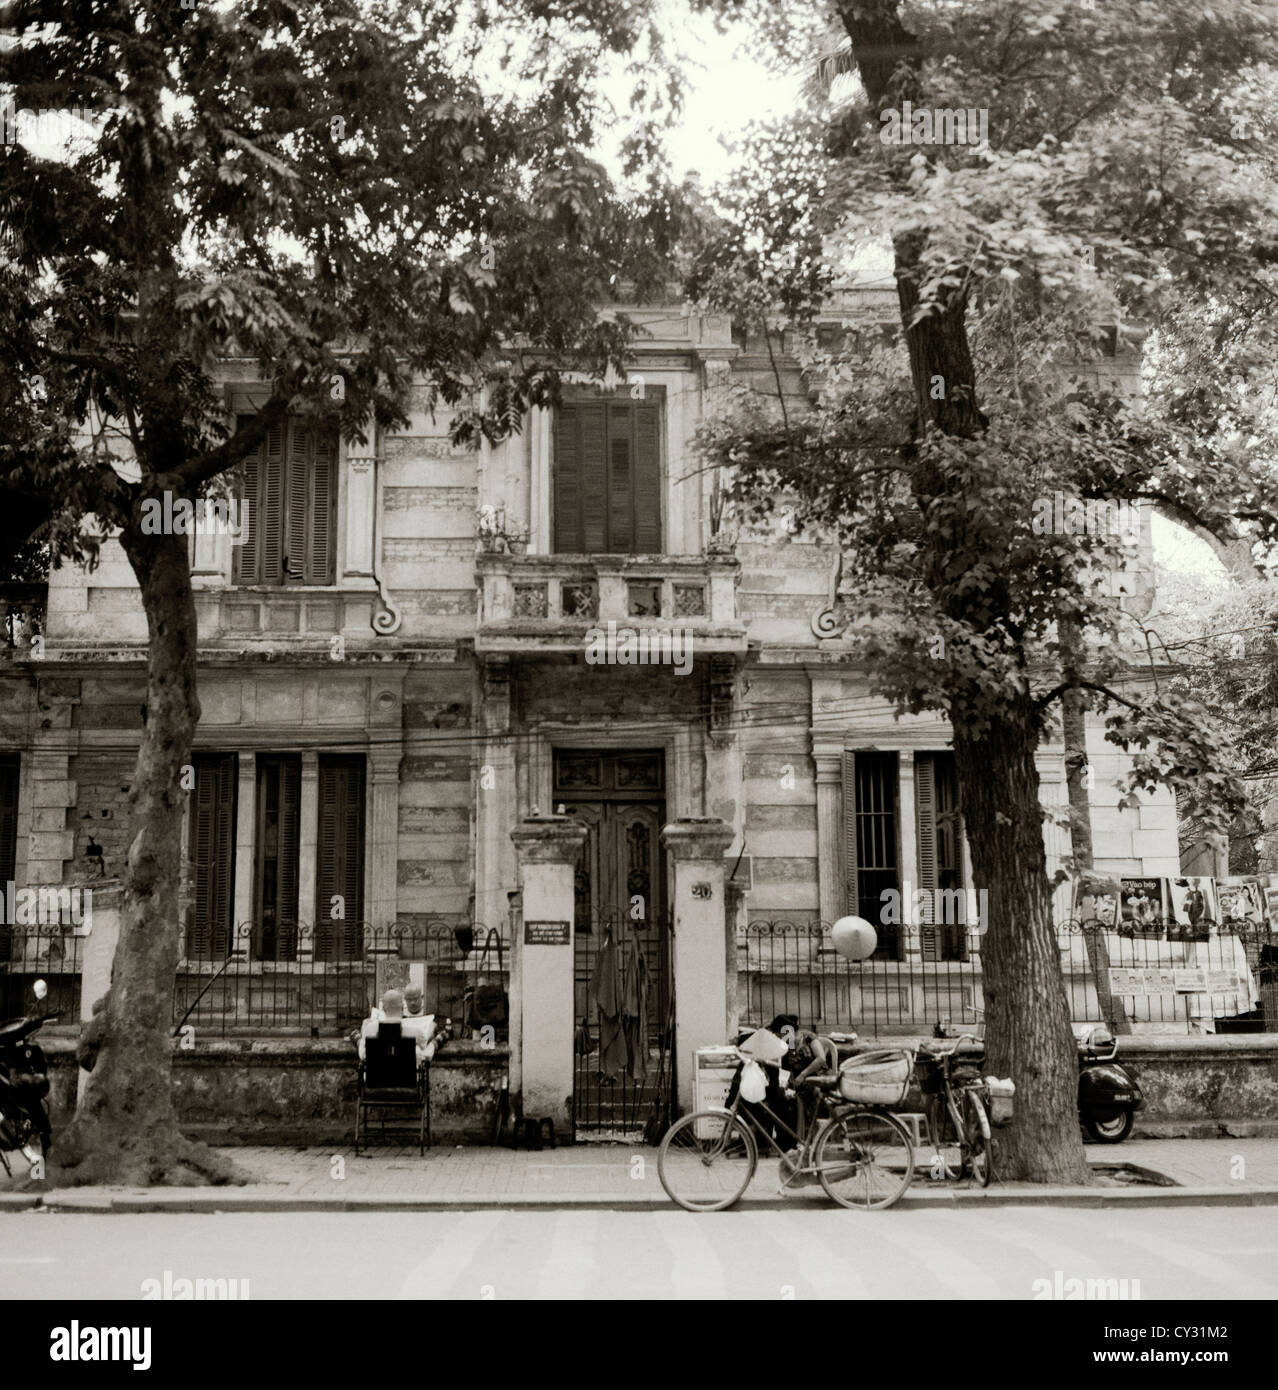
point(390, 1080)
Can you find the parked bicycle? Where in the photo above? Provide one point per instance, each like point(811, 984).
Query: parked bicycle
point(956, 1095)
point(844, 1137)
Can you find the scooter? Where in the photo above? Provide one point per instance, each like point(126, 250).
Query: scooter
point(24, 1088)
point(1108, 1095)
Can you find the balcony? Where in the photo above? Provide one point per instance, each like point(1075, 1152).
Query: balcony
point(549, 603)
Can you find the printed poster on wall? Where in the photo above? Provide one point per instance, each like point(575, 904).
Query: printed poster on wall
point(1193, 907)
point(1242, 903)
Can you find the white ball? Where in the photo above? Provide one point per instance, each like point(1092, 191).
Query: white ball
point(854, 938)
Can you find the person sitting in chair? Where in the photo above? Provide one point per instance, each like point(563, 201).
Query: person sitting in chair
point(419, 1023)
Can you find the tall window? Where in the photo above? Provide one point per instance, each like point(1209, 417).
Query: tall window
point(275, 870)
point(607, 477)
point(290, 487)
point(339, 885)
point(940, 854)
point(869, 820)
point(211, 849)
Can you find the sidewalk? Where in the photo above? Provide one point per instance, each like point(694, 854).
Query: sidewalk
point(1233, 1172)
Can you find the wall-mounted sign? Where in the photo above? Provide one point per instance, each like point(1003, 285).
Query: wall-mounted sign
point(546, 933)
point(702, 890)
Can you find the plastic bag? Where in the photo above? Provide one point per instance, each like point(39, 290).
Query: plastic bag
point(754, 1083)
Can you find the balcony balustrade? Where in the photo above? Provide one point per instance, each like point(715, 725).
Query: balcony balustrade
point(540, 603)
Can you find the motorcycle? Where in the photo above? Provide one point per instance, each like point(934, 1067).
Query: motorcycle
point(1108, 1094)
point(24, 1088)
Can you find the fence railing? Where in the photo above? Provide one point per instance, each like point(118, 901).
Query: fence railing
point(1223, 979)
point(323, 984)
point(49, 952)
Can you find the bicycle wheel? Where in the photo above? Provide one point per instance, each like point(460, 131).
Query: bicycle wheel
point(706, 1160)
point(865, 1159)
point(981, 1152)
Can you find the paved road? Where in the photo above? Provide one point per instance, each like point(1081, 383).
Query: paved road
point(1206, 1253)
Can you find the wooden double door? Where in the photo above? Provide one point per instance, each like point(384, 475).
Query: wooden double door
point(620, 894)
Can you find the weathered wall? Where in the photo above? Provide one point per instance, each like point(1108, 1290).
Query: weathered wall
point(296, 1090)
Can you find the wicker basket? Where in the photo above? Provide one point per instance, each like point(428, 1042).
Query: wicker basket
point(876, 1078)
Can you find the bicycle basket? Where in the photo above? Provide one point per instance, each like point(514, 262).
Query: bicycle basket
point(1001, 1097)
point(876, 1078)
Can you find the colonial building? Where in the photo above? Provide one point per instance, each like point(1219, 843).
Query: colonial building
point(416, 656)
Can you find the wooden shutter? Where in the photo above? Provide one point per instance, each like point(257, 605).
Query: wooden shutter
point(607, 478)
point(567, 482)
point(925, 832)
point(290, 483)
point(321, 542)
point(592, 435)
point(341, 856)
point(647, 479)
point(212, 853)
point(297, 509)
point(620, 481)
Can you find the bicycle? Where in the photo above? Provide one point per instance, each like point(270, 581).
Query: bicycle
point(862, 1155)
point(956, 1110)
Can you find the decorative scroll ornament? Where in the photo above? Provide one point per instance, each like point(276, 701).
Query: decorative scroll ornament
point(833, 619)
point(389, 619)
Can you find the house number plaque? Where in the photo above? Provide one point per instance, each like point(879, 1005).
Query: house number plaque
point(702, 890)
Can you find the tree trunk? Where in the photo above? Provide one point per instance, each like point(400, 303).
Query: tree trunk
point(1074, 719)
point(1027, 1018)
point(125, 1129)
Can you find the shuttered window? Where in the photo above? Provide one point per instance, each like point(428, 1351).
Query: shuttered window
point(8, 839)
point(290, 487)
point(940, 855)
point(339, 885)
point(275, 869)
point(211, 850)
point(607, 477)
point(870, 842)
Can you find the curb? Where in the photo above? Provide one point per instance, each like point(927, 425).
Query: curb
point(214, 1200)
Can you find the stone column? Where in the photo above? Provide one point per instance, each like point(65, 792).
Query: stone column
point(734, 922)
point(829, 815)
point(309, 913)
point(696, 847)
point(541, 977)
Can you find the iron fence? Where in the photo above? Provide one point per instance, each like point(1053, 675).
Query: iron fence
point(1224, 980)
point(50, 952)
point(325, 983)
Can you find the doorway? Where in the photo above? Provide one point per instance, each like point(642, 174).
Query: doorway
point(621, 938)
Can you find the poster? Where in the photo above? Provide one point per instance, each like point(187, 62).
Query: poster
point(1141, 902)
point(1193, 908)
point(1094, 906)
point(1242, 905)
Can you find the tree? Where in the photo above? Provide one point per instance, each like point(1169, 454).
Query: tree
point(328, 189)
point(1116, 183)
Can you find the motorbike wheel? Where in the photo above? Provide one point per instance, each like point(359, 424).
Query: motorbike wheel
point(1112, 1130)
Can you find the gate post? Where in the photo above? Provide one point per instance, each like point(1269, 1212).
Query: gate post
point(541, 967)
point(696, 846)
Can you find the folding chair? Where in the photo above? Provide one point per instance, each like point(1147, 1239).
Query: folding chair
point(390, 1080)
